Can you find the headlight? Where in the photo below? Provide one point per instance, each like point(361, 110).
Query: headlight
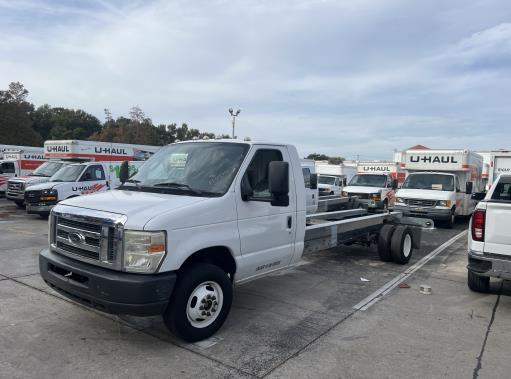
point(345, 194)
point(444, 203)
point(375, 196)
point(48, 195)
point(143, 251)
point(400, 200)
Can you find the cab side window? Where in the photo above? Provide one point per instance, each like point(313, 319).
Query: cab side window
point(257, 173)
point(307, 177)
point(93, 173)
point(8, 168)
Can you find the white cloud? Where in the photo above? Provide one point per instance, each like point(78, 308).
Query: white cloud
point(344, 77)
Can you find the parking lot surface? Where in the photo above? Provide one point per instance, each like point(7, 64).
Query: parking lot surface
point(316, 320)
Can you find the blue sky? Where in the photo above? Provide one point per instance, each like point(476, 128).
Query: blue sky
point(340, 77)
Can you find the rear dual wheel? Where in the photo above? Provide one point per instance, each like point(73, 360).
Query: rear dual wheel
point(395, 243)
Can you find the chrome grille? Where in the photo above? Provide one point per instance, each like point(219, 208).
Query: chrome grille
point(32, 196)
point(14, 187)
point(94, 238)
point(421, 203)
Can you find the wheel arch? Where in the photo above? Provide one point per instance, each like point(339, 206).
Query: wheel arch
point(220, 256)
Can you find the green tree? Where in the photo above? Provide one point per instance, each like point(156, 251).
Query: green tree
point(323, 157)
point(15, 122)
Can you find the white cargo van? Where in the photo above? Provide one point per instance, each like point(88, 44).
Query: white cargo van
point(332, 178)
point(73, 180)
point(63, 152)
point(310, 179)
point(439, 184)
point(18, 163)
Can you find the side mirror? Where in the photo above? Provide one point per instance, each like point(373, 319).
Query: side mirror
point(124, 172)
point(278, 182)
point(468, 187)
point(314, 181)
point(478, 196)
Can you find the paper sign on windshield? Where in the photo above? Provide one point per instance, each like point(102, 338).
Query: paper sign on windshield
point(437, 187)
point(178, 160)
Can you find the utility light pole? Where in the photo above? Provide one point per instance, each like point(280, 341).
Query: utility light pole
point(234, 115)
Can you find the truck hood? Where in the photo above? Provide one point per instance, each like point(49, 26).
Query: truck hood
point(424, 194)
point(139, 207)
point(45, 185)
point(30, 180)
point(362, 189)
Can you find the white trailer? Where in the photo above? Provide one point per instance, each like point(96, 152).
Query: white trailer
point(18, 163)
point(64, 152)
point(332, 178)
point(440, 183)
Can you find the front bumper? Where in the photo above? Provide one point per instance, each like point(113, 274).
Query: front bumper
point(107, 290)
point(490, 265)
point(371, 204)
point(442, 214)
point(39, 209)
point(15, 196)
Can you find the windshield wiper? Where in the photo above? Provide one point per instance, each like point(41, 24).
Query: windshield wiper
point(180, 186)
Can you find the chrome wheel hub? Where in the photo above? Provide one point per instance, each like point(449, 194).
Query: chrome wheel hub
point(204, 304)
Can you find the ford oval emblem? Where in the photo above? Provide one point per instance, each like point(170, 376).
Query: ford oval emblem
point(76, 238)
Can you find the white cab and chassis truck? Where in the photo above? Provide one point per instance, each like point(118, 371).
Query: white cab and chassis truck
point(64, 152)
point(439, 184)
point(75, 179)
point(197, 218)
point(333, 177)
point(18, 163)
point(489, 239)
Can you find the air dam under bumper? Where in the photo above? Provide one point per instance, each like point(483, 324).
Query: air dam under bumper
point(496, 266)
point(107, 290)
point(442, 214)
point(38, 209)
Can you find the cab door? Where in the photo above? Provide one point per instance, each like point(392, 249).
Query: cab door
point(93, 180)
point(267, 232)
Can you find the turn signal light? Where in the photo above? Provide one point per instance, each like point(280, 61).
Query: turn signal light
point(478, 224)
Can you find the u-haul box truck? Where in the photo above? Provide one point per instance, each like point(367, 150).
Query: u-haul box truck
point(18, 163)
point(500, 163)
point(439, 184)
point(64, 152)
point(18, 148)
point(332, 178)
point(73, 180)
point(375, 184)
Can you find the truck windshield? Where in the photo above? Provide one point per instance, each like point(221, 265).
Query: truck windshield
point(67, 173)
point(193, 168)
point(369, 180)
point(437, 182)
point(326, 180)
point(47, 169)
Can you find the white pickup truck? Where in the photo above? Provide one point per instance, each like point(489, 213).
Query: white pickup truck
point(489, 239)
point(197, 218)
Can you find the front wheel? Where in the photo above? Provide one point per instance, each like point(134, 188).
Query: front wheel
point(450, 222)
point(200, 303)
point(20, 204)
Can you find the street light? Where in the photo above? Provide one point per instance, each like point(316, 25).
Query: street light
point(234, 115)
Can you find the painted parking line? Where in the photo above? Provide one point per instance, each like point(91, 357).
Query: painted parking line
point(393, 283)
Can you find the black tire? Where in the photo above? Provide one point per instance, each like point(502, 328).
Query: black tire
point(384, 238)
point(20, 204)
point(478, 283)
point(385, 206)
point(401, 245)
point(176, 315)
point(450, 223)
point(331, 193)
point(44, 216)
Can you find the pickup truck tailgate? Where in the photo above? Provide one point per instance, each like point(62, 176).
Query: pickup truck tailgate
point(497, 238)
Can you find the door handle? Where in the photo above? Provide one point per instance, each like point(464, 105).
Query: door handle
point(289, 222)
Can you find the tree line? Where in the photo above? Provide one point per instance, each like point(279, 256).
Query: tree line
point(323, 157)
point(21, 123)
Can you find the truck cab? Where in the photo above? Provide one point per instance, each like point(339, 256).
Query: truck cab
point(329, 185)
point(196, 218)
point(376, 191)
